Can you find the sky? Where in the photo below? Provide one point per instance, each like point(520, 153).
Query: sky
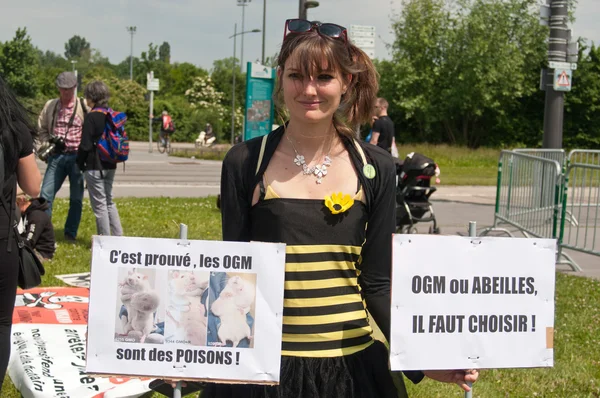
point(199, 31)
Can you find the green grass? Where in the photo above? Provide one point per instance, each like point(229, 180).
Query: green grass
point(576, 371)
point(459, 165)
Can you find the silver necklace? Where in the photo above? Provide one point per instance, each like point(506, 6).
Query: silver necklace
point(318, 170)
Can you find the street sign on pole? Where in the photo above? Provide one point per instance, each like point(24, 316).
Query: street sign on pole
point(562, 79)
point(363, 37)
point(562, 65)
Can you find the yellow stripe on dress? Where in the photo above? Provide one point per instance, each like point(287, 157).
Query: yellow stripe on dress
point(323, 301)
point(325, 319)
point(313, 249)
point(319, 266)
point(336, 352)
point(320, 284)
point(331, 336)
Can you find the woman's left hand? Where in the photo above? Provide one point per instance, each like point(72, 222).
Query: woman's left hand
point(460, 377)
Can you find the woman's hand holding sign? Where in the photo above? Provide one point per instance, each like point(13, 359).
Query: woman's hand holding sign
point(460, 377)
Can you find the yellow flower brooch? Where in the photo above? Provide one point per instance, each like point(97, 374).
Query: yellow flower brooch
point(338, 202)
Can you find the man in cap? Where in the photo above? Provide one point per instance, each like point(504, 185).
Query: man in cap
point(61, 123)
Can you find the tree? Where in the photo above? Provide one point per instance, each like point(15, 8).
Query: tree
point(19, 64)
point(221, 75)
point(75, 47)
point(164, 53)
point(460, 66)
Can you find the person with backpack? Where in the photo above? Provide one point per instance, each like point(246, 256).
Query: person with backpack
point(167, 126)
point(99, 171)
point(60, 124)
point(17, 164)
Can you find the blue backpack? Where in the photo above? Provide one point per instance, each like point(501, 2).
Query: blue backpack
point(113, 145)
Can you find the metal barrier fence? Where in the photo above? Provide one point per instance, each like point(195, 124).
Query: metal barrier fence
point(556, 196)
point(581, 206)
point(528, 195)
point(551, 154)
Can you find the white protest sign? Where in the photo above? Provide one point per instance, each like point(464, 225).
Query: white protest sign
point(186, 309)
point(462, 303)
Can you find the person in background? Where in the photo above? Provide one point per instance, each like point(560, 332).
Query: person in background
point(209, 138)
point(16, 136)
point(167, 126)
point(61, 120)
point(368, 137)
point(35, 225)
point(383, 128)
point(99, 175)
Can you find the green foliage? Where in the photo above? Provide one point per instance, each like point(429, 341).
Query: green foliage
point(76, 47)
point(460, 67)
point(209, 102)
point(19, 64)
point(164, 53)
point(222, 76)
point(126, 96)
point(582, 104)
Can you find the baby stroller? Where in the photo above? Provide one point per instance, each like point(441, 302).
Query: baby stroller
point(413, 191)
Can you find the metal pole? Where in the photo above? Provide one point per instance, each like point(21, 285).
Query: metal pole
point(557, 51)
point(301, 9)
point(131, 30)
point(243, 4)
point(150, 114)
point(183, 232)
point(264, 29)
point(472, 234)
point(233, 86)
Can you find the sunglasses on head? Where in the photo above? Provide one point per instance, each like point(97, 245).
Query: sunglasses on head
point(324, 29)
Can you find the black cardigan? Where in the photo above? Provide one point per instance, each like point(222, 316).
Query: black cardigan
point(239, 177)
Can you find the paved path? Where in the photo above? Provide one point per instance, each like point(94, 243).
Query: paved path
point(154, 175)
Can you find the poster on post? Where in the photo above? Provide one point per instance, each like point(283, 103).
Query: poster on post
point(186, 309)
point(48, 348)
point(463, 303)
point(260, 83)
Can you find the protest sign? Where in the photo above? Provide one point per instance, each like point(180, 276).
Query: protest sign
point(186, 309)
point(48, 348)
point(462, 303)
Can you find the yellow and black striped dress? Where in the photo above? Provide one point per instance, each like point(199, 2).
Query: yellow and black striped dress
point(327, 347)
point(324, 314)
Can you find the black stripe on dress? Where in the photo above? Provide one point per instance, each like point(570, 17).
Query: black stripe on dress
point(319, 257)
point(328, 310)
point(318, 275)
point(326, 328)
point(320, 293)
point(325, 345)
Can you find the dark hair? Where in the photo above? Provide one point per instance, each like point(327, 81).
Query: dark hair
point(316, 52)
point(98, 93)
point(14, 121)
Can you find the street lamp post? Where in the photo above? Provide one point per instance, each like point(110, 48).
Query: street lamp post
point(264, 29)
point(235, 33)
point(243, 4)
point(73, 62)
point(305, 5)
point(131, 30)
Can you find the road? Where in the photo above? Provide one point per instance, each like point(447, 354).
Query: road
point(155, 175)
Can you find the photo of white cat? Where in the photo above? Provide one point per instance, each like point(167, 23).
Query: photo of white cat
point(140, 314)
point(232, 309)
point(187, 305)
